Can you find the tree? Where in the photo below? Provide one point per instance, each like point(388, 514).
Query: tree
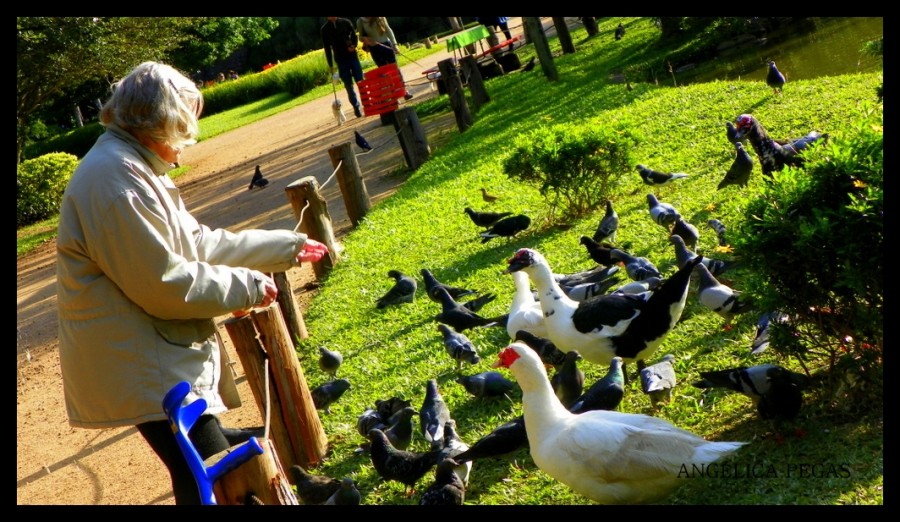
point(213, 39)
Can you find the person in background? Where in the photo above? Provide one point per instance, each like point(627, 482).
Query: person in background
point(339, 40)
point(378, 38)
point(232, 75)
point(221, 77)
point(140, 281)
point(497, 22)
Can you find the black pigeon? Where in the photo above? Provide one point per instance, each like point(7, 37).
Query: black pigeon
point(683, 256)
point(529, 65)
point(447, 489)
point(740, 169)
point(761, 340)
point(458, 346)
point(637, 268)
point(503, 439)
point(720, 298)
point(400, 428)
point(772, 156)
point(608, 226)
point(485, 219)
point(688, 232)
point(598, 252)
point(313, 489)
point(663, 214)
point(477, 303)
point(258, 180)
point(568, 381)
point(347, 495)
point(458, 316)
point(432, 284)
point(775, 391)
point(731, 133)
point(329, 361)
point(774, 78)
point(325, 395)
point(486, 384)
point(506, 227)
point(363, 144)
point(433, 415)
point(657, 178)
point(606, 393)
point(658, 380)
point(720, 229)
point(388, 407)
point(620, 31)
point(546, 350)
point(370, 419)
point(403, 466)
point(403, 291)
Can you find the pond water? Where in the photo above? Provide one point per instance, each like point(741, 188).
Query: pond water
point(828, 47)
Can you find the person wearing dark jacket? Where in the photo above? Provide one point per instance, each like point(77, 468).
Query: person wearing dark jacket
point(339, 40)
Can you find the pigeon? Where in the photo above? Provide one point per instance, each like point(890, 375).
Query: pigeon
point(258, 180)
point(797, 146)
point(740, 170)
point(658, 379)
point(403, 291)
point(403, 466)
point(761, 341)
point(361, 142)
point(432, 284)
point(568, 381)
point(731, 133)
point(433, 415)
point(313, 489)
point(477, 303)
point(683, 255)
point(346, 495)
point(458, 346)
point(620, 31)
point(504, 439)
point(388, 407)
point(639, 287)
point(399, 428)
point(325, 395)
point(330, 361)
point(719, 229)
point(369, 419)
point(720, 298)
point(453, 446)
point(772, 156)
point(600, 253)
point(609, 225)
point(688, 232)
point(598, 274)
point(485, 219)
point(585, 291)
point(663, 214)
point(606, 393)
point(507, 227)
point(637, 268)
point(447, 489)
point(656, 178)
point(487, 196)
point(457, 316)
point(546, 350)
point(774, 78)
point(486, 384)
point(529, 65)
point(775, 391)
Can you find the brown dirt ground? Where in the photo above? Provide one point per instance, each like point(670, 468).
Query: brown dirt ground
point(60, 465)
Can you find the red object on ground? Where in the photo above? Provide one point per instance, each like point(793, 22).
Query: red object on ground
point(380, 89)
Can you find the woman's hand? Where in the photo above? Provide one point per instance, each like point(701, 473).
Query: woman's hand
point(312, 251)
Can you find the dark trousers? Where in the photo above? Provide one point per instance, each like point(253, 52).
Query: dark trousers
point(350, 70)
point(382, 54)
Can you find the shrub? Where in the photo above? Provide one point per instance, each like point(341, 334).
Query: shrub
point(40, 183)
point(575, 168)
point(77, 142)
point(814, 240)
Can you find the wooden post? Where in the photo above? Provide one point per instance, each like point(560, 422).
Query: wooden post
point(451, 80)
point(590, 24)
point(353, 188)
point(412, 137)
point(250, 351)
point(480, 95)
point(298, 410)
point(316, 222)
point(262, 475)
point(541, 46)
point(293, 318)
point(562, 31)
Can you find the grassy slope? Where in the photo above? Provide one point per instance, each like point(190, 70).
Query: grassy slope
point(395, 351)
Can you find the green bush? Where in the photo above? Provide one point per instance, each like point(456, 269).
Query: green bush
point(575, 168)
point(814, 239)
point(76, 141)
point(40, 183)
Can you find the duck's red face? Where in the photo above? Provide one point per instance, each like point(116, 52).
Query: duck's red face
point(743, 122)
point(523, 257)
point(506, 357)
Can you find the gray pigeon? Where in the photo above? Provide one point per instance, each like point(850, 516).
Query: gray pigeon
point(720, 298)
point(486, 384)
point(346, 495)
point(453, 446)
point(403, 291)
point(657, 380)
point(761, 341)
point(688, 232)
point(637, 268)
point(325, 395)
point(400, 428)
point(719, 228)
point(663, 214)
point(458, 346)
point(433, 415)
point(740, 170)
point(568, 381)
point(432, 284)
point(330, 361)
point(774, 78)
point(313, 489)
point(609, 225)
point(447, 489)
point(774, 390)
point(657, 178)
point(731, 133)
point(683, 255)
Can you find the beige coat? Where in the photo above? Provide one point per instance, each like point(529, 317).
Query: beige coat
point(139, 283)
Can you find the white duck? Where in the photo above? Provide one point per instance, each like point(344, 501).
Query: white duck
point(525, 313)
point(608, 456)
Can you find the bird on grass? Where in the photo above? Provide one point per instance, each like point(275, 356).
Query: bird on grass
point(761, 340)
point(663, 214)
point(774, 78)
point(477, 303)
point(639, 287)
point(388, 407)
point(486, 384)
point(399, 428)
point(638, 268)
point(503, 439)
point(656, 178)
point(433, 415)
point(604, 394)
point(506, 227)
point(683, 255)
point(720, 298)
point(313, 489)
point(546, 350)
point(599, 252)
point(658, 380)
point(731, 133)
point(370, 419)
point(609, 225)
point(361, 142)
point(447, 489)
point(772, 155)
point(688, 232)
point(776, 392)
point(403, 466)
point(568, 380)
point(258, 180)
point(330, 361)
point(487, 196)
point(403, 290)
point(458, 316)
point(458, 346)
point(485, 219)
point(719, 228)
point(325, 395)
point(740, 169)
point(529, 65)
point(620, 31)
point(453, 446)
point(432, 284)
point(346, 495)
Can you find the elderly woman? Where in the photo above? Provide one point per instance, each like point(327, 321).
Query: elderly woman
point(140, 281)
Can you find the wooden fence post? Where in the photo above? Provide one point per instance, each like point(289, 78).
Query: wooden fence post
point(412, 137)
point(353, 188)
point(293, 318)
point(262, 475)
point(316, 222)
point(590, 25)
point(541, 46)
point(457, 95)
point(480, 95)
point(562, 31)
